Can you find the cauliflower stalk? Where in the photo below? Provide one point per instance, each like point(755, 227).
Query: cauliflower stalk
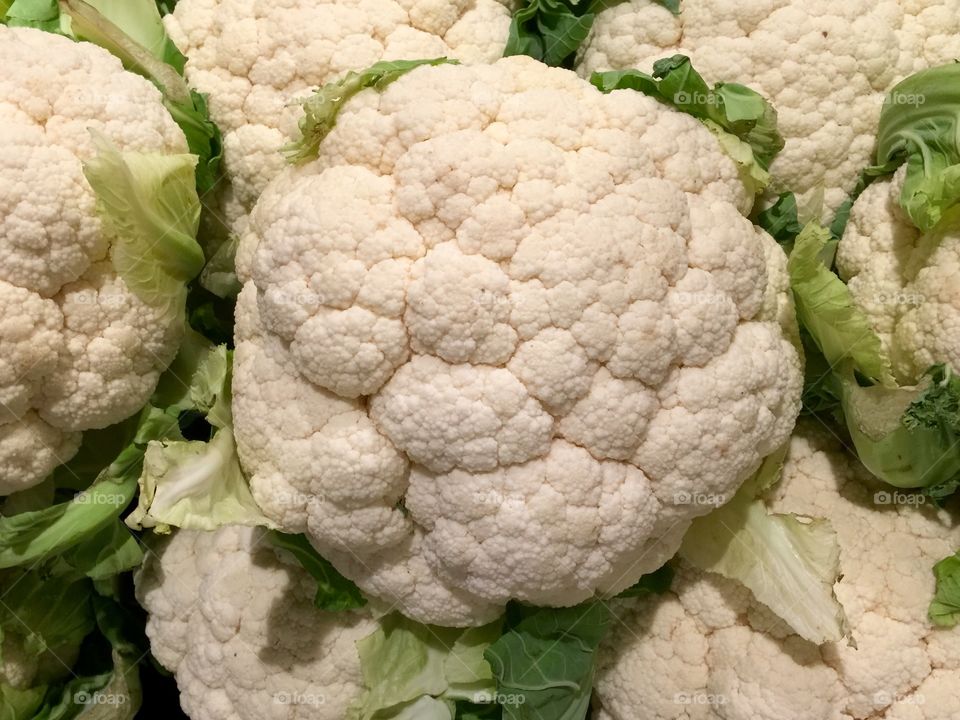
point(710, 650)
point(458, 398)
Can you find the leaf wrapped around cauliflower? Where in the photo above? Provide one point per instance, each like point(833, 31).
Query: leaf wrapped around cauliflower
point(506, 338)
point(710, 650)
point(98, 214)
point(824, 65)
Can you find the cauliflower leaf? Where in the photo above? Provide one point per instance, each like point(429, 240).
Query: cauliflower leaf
point(920, 126)
point(789, 563)
point(334, 592)
point(320, 110)
point(945, 607)
point(545, 663)
point(197, 484)
point(552, 31)
point(149, 204)
point(743, 121)
point(419, 671)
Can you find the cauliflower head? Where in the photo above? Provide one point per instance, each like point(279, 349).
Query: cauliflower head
point(79, 347)
point(255, 58)
point(709, 651)
point(825, 66)
point(906, 281)
point(498, 339)
point(234, 620)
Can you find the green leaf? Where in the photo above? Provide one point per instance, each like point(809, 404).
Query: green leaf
point(474, 711)
point(20, 704)
point(545, 664)
point(133, 31)
point(743, 121)
point(827, 310)
point(149, 206)
point(898, 434)
point(192, 484)
point(550, 31)
point(109, 552)
point(48, 612)
point(781, 220)
point(320, 110)
point(945, 606)
point(31, 537)
point(412, 670)
point(672, 5)
point(656, 583)
point(920, 126)
point(38, 14)
point(334, 592)
point(789, 564)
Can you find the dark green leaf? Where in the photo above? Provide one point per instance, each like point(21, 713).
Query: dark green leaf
point(544, 665)
point(781, 221)
point(334, 592)
point(655, 583)
point(945, 607)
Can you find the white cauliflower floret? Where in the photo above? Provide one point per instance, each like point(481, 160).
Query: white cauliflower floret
point(254, 59)
point(78, 348)
point(709, 650)
point(825, 66)
point(235, 622)
point(905, 281)
point(459, 412)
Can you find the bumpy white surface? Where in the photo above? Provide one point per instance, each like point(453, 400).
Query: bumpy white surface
point(906, 281)
point(237, 626)
point(709, 651)
point(254, 58)
point(825, 65)
point(531, 312)
point(78, 350)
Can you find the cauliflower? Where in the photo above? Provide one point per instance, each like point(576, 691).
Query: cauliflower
point(905, 280)
point(502, 335)
point(97, 217)
point(236, 624)
point(710, 651)
point(824, 65)
point(254, 59)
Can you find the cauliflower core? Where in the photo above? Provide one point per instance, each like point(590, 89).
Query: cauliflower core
point(500, 336)
point(907, 282)
point(254, 58)
point(826, 66)
point(236, 624)
point(708, 651)
point(78, 349)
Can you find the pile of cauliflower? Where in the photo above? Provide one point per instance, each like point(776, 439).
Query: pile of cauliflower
point(502, 418)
